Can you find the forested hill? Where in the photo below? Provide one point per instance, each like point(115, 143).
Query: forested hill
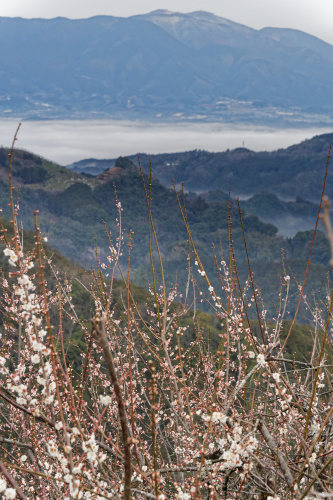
point(74, 209)
point(282, 187)
point(294, 171)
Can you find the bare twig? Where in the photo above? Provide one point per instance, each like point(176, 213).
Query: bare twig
point(310, 253)
point(100, 335)
point(326, 220)
point(16, 443)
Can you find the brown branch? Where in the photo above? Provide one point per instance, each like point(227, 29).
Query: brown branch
point(274, 448)
point(326, 220)
point(40, 417)
point(98, 324)
point(12, 481)
point(310, 253)
point(16, 443)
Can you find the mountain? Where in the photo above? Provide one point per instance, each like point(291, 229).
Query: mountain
point(296, 171)
point(163, 65)
point(282, 187)
point(75, 209)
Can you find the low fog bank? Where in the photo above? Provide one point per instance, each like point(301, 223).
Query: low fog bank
point(289, 225)
point(67, 141)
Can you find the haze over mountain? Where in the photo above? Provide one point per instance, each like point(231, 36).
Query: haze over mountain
point(164, 65)
point(282, 187)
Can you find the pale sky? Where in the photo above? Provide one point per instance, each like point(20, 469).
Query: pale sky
point(312, 16)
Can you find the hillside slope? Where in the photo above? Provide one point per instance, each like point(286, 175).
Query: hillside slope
point(74, 212)
point(294, 171)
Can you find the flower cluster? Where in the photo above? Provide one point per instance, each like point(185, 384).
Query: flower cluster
point(155, 401)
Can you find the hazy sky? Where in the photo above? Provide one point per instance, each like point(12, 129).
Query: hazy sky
point(312, 16)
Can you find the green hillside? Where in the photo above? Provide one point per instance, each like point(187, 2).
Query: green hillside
point(75, 208)
point(294, 171)
point(59, 270)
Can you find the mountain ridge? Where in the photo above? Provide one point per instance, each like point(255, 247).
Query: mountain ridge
point(287, 172)
point(162, 66)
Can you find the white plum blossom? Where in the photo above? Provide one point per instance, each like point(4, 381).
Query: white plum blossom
point(25, 281)
point(216, 416)
point(35, 359)
point(182, 495)
point(3, 485)
point(10, 493)
point(261, 360)
point(91, 448)
point(12, 256)
point(37, 346)
point(49, 399)
point(52, 386)
point(78, 468)
point(68, 478)
point(40, 379)
point(21, 401)
point(47, 368)
point(105, 400)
